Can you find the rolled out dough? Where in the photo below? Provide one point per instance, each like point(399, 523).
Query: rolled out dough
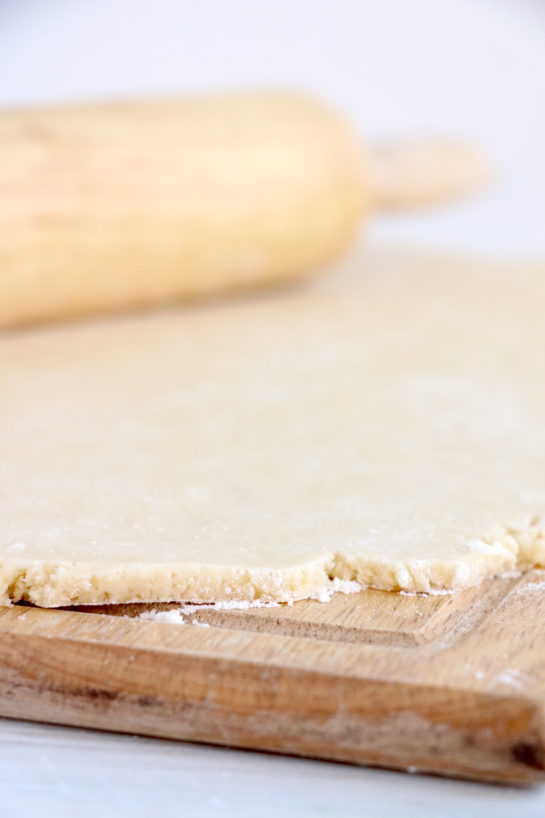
point(384, 425)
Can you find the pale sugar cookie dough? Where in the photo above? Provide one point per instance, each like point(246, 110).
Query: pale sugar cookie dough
point(384, 425)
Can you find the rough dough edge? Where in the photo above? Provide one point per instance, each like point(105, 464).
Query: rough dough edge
point(55, 584)
point(520, 546)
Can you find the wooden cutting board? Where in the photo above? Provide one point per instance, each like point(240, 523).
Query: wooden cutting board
point(449, 684)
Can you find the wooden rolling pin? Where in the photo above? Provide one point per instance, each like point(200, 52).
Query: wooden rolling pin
point(110, 206)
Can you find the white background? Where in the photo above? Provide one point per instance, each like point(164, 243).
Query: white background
point(468, 68)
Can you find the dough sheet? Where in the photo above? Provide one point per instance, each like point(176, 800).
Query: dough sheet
point(384, 424)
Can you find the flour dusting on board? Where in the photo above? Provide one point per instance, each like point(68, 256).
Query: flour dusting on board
point(532, 586)
point(176, 615)
point(513, 678)
point(431, 592)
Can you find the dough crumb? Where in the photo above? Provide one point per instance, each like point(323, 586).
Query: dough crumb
point(336, 585)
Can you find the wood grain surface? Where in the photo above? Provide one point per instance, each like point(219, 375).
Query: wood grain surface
point(448, 684)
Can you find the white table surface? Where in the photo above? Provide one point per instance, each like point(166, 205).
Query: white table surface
point(372, 58)
point(60, 772)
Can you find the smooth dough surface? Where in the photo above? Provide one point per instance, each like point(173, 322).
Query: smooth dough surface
point(385, 424)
